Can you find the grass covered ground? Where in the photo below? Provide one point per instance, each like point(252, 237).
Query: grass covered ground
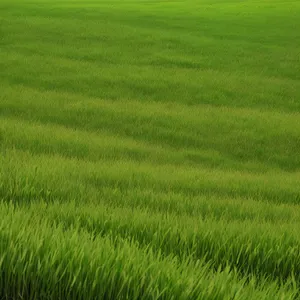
point(150, 149)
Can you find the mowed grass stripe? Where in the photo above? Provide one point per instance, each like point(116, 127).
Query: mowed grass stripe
point(54, 170)
point(194, 22)
point(95, 145)
point(190, 86)
point(27, 182)
point(253, 139)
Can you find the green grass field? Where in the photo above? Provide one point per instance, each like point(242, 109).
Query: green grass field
point(150, 149)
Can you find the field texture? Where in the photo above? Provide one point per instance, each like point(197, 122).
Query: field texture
point(150, 149)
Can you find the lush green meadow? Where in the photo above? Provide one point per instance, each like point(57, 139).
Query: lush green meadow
point(150, 149)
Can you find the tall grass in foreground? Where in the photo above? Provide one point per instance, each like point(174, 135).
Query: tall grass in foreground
point(266, 250)
point(40, 260)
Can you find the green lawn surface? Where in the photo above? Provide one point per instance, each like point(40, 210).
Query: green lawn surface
point(150, 149)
